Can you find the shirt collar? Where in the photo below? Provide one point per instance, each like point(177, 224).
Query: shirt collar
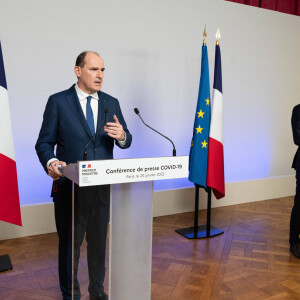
point(83, 95)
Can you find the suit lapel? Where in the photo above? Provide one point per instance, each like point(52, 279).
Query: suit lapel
point(75, 106)
point(100, 111)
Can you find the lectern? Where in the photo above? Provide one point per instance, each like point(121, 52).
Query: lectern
point(130, 243)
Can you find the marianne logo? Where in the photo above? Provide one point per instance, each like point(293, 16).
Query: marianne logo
point(86, 166)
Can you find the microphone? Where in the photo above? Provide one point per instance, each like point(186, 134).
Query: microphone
point(138, 113)
point(98, 130)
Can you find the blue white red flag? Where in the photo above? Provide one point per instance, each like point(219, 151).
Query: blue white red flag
point(9, 194)
point(215, 167)
point(199, 147)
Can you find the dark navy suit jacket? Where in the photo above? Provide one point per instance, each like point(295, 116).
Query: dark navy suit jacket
point(65, 126)
point(296, 135)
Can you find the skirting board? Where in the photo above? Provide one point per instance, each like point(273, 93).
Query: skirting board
point(183, 200)
point(36, 219)
point(39, 219)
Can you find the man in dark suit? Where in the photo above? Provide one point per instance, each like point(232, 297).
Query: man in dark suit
point(70, 120)
point(295, 215)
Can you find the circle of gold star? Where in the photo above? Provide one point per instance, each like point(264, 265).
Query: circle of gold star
point(200, 113)
point(204, 144)
point(199, 129)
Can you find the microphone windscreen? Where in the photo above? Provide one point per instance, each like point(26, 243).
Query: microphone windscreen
point(136, 111)
point(106, 110)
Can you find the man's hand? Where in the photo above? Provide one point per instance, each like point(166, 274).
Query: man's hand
point(53, 170)
point(115, 130)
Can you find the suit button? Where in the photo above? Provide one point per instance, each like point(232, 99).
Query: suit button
point(95, 149)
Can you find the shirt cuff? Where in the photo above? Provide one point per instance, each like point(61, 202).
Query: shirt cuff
point(50, 161)
point(122, 143)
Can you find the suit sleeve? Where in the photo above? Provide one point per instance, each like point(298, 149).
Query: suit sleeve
point(123, 123)
point(296, 124)
point(48, 134)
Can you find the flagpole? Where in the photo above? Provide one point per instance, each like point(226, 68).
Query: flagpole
point(196, 211)
point(204, 36)
point(208, 213)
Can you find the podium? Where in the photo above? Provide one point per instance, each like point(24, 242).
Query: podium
point(130, 242)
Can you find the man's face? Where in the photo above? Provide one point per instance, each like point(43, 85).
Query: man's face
point(90, 77)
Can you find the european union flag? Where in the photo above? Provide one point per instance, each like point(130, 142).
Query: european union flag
point(199, 147)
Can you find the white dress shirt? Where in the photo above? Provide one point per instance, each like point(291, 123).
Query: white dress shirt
point(82, 96)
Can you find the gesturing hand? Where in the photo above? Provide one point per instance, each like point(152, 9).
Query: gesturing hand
point(54, 171)
point(115, 129)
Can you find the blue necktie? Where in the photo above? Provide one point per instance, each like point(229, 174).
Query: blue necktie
point(89, 115)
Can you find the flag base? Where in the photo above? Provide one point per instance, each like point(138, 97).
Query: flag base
point(5, 263)
point(201, 233)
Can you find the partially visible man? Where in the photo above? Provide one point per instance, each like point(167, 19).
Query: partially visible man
point(70, 120)
point(295, 215)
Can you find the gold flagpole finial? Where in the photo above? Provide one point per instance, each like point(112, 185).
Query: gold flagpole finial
point(204, 36)
point(218, 36)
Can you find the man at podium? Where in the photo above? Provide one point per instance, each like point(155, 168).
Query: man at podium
point(71, 118)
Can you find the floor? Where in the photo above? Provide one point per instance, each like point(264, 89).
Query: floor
point(251, 260)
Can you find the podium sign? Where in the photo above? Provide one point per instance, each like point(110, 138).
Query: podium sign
point(112, 171)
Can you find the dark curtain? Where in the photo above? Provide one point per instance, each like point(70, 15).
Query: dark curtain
point(286, 6)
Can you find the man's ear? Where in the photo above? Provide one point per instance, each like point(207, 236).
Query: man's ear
point(77, 71)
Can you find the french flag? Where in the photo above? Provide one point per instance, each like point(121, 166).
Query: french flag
point(9, 195)
point(215, 164)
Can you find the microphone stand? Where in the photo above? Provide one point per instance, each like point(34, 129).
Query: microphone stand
point(138, 113)
point(98, 130)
